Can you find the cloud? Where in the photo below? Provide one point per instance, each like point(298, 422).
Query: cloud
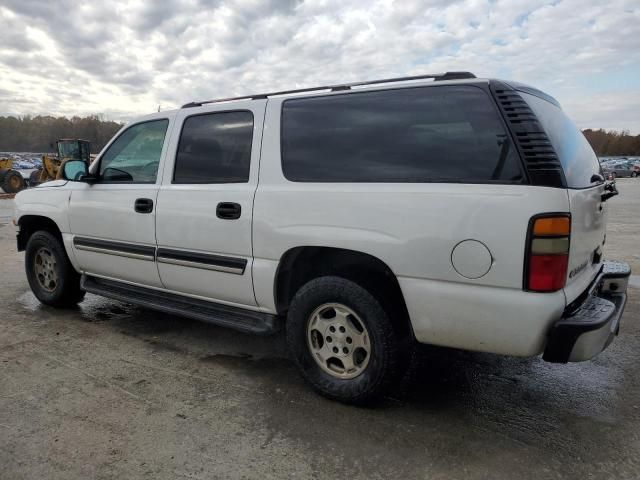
point(612, 111)
point(128, 57)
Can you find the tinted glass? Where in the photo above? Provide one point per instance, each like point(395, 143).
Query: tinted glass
point(422, 134)
point(578, 159)
point(215, 148)
point(135, 155)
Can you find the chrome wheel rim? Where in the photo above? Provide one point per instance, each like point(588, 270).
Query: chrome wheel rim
point(44, 266)
point(338, 340)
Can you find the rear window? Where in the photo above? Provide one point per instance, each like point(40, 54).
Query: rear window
point(215, 148)
point(425, 134)
point(578, 159)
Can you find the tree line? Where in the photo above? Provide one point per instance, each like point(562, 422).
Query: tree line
point(612, 143)
point(35, 134)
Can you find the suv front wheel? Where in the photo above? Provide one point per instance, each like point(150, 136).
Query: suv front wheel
point(51, 276)
point(342, 340)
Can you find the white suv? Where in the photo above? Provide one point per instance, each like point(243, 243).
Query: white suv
point(446, 209)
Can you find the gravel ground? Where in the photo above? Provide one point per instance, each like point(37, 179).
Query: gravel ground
point(109, 390)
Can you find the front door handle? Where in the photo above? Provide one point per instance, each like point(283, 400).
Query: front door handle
point(143, 205)
point(228, 210)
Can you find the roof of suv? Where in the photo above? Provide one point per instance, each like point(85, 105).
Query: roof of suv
point(340, 87)
point(447, 76)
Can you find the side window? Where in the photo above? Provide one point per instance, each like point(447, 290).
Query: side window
point(423, 134)
point(215, 148)
point(578, 159)
point(135, 155)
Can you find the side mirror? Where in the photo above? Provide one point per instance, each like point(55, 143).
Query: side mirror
point(75, 170)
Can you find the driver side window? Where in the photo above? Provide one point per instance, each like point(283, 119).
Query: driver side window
point(135, 155)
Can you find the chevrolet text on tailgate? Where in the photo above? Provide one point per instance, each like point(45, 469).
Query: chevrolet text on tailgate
point(444, 209)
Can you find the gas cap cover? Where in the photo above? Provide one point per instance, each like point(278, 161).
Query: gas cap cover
point(471, 259)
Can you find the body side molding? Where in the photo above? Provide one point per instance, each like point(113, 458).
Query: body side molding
point(141, 252)
point(202, 260)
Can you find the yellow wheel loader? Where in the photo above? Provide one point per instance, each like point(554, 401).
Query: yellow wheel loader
point(66, 149)
point(11, 180)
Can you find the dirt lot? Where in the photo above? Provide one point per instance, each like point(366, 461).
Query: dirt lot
point(113, 391)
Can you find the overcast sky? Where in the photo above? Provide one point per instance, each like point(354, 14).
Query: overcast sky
point(123, 58)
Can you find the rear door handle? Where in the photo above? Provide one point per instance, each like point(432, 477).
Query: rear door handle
point(228, 210)
point(143, 205)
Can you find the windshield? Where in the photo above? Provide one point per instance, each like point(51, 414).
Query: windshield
point(68, 150)
point(578, 159)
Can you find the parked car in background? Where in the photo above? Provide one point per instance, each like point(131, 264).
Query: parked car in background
point(23, 165)
point(622, 169)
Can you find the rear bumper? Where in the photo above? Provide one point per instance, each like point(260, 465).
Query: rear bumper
point(589, 325)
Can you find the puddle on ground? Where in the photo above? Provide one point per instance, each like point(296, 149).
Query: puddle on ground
point(96, 309)
point(92, 308)
point(273, 374)
point(168, 346)
point(29, 301)
point(245, 359)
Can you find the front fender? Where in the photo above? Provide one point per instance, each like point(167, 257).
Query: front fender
point(51, 203)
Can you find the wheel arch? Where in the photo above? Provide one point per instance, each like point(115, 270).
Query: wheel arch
point(29, 224)
point(301, 264)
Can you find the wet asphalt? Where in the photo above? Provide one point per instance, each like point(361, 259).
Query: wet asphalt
point(109, 390)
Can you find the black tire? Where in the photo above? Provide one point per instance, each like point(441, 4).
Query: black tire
point(34, 178)
point(385, 361)
point(634, 174)
point(65, 291)
point(12, 182)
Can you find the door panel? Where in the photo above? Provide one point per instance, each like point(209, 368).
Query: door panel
point(206, 247)
point(187, 222)
point(113, 222)
point(106, 214)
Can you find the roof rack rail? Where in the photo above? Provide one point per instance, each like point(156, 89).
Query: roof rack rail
point(339, 87)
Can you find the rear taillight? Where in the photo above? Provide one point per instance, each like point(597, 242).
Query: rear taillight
point(547, 252)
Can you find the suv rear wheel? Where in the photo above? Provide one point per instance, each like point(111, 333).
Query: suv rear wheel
point(342, 340)
point(51, 276)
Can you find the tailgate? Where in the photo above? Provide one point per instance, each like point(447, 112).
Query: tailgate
point(584, 187)
point(588, 225)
